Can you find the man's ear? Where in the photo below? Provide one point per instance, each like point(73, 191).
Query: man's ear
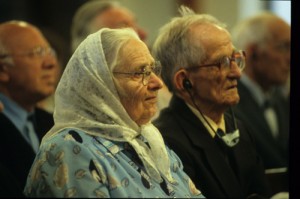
point(4, 74)
point(179, 78)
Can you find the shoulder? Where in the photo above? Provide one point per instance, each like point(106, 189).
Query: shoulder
point(68, 137)
point(77, 141)
point(4, 121)
point(69, 159)
point(69, 142)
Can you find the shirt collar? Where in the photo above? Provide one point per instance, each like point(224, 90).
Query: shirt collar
point(15, 113)
point(214, 125)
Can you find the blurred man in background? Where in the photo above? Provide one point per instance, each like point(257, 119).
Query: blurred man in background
point(266, 38)
point(28, 68)
point(96, 14)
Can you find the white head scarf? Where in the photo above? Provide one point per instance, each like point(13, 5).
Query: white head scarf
point(86, 99)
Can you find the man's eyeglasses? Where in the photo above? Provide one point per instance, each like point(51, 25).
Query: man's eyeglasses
point(36, 52)
point(146, 72)
point(239, 57)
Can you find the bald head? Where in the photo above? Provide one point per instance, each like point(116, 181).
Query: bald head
point(266, 38)
point(28, 66)
point(14, 34)
point(259, 29)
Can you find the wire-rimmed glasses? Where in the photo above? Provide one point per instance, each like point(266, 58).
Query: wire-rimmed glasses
point(239, 57)
point(38, 51)
point(145, 73)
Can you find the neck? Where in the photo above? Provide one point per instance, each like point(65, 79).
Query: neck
point(213, 114)
point(210, 110)
point(22, 102)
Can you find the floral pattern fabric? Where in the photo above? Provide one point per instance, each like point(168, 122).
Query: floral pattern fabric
point(74, 164)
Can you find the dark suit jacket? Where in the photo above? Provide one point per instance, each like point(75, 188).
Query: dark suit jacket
point(202, 158)
point(273, 152)
point(17, 155)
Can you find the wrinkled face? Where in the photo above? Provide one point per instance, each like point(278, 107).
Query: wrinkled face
point(139, 100)
point(119, 18)
point(33, 76)
point(272, 65)
point(214, 87)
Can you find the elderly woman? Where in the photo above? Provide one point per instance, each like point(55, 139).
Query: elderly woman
point(103, 143)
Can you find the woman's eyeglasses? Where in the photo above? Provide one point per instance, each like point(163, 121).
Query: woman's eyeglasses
point(146, 73)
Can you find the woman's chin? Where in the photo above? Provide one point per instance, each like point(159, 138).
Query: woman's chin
point(147, 117)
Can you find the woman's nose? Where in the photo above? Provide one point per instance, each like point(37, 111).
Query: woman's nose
point(155, 81)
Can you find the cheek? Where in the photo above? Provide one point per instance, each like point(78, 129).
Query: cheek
point(274, 70)
point(228, 96)
point(281, 68)
point(138, 108)
point(203, 85)
point(23, 77)
point(132, 101)
point(214, 86)
point(222, 94)
point(28, 69)
point(131, 97)
point(207, 90)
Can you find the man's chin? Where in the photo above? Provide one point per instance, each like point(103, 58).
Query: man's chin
point(232, 102)
point(45, 94)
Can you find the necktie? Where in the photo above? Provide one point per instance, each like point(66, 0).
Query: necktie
point(271, 118)
point(220, 143)
point(31, 134)
point(225, 151)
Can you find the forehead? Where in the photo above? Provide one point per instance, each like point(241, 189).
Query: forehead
point(116, 17)
point(214, 39)
point(134, 54)
point(23, 38)
point(281, 30)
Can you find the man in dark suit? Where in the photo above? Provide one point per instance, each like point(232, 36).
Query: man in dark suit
point(266, 38)
point(201, 67)
point(27, 75)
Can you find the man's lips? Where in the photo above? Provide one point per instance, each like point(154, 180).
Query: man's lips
point(151, 98)
point(232, 87)
point(49, 79)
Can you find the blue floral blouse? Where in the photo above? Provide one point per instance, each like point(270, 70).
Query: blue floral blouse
point(74, 164)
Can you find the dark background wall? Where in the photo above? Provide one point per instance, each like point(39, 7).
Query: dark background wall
point(53, 17)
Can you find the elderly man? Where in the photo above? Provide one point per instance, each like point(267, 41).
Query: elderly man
point(266, 38)
point(201, 66)
point(27, 75)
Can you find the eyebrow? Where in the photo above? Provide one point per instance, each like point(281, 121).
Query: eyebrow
point(221, 56)
point(143, 66)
